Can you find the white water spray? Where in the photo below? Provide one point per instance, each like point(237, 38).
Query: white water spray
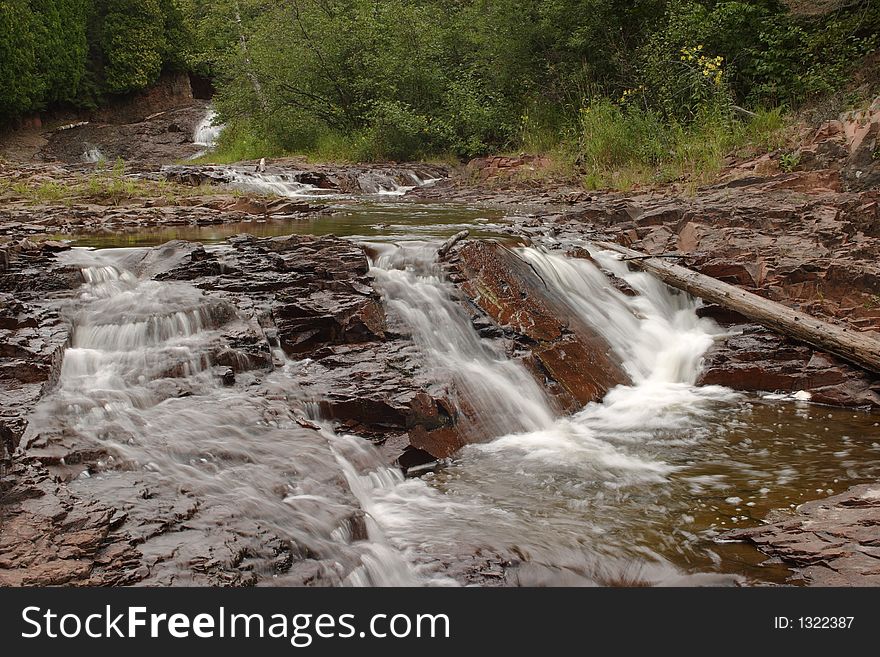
point(138, 383)
point(208, 131)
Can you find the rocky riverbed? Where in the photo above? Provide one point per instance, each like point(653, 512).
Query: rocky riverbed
point(314, 310)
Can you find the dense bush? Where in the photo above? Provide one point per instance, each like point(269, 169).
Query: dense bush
point(399, 79)
point(76, 51)
point(372, 79)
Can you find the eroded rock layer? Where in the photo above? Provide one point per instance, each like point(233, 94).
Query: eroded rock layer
point(566, 355)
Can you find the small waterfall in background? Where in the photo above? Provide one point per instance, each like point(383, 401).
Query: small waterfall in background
point(278, 184)
point(286, 184)
point(207, 132)
point(92, 155)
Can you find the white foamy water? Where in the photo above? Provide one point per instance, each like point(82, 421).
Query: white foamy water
point(505, 398)
point(279, 184)
point(285, 183)
point(208, 131)
point(93, 155)
point(488, 497)
point(629, 489)
point(138, 382)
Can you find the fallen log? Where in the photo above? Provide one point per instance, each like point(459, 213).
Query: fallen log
point(849, 344)
point(446, 247)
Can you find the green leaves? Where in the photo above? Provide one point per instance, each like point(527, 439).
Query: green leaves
point(70, 51)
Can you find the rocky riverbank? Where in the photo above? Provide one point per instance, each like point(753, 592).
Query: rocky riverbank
point(809, 239)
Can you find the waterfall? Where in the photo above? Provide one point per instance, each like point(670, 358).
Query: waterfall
point(207, 132)
point(92, 155)
point(503, 395)
point(286, 184)
point(656, 333)
point(137, 382)
point(550, 489)
point(278, 184)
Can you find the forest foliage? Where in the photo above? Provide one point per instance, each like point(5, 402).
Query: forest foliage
point(407, 78)
point(77, 52)
point(610, 81)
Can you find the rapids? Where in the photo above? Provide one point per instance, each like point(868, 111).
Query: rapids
point(634, 489)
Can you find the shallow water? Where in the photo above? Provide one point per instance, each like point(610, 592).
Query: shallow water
point(385, 221)
point(633, 490)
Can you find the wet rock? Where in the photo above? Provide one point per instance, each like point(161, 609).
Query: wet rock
point(343, 179)
point(566, 355)
point(414, 461)
point(161, 136)
point(33, 335)
point(862, 134)
point(228, 377)
point(51, 537)
point(755, 359)
point(313, 298)
point(830, 542)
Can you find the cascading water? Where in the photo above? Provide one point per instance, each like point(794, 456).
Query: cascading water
point(495, 495)
point(254, 469)
point(632, 489)
point(278, 184)
point(92, 155)
point(286, 184)
point(208, 131)
point(496, 394)
point(657, 335)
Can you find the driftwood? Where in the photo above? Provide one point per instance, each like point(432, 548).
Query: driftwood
point(446, 247)
point(851, 345)
point(648, 257)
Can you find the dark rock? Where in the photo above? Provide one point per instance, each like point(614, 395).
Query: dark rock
point(317, 179)
point(566, 355)
point(416, 461)
point(755, 359)
point(313, 298)
point(228, 377)
point(33, 336)
point(830, 542)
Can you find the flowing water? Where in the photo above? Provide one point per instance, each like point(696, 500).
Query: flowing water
point(208, 131)
point(633, 489)
point(137, 383)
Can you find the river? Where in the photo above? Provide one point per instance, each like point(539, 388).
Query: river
point(636, 489)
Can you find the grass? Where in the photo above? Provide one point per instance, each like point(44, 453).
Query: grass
point(104, 187)
point(619, 148)
point(239, 143)
point(606, 147)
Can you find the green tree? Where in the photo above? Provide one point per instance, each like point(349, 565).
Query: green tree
point(60, 32)
point(133, 40)
point(21, 88)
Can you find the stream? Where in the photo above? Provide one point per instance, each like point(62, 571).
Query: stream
point(634, 490)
